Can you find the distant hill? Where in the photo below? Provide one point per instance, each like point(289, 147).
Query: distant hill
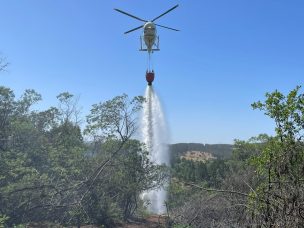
point(220, 151)
point(198, 156)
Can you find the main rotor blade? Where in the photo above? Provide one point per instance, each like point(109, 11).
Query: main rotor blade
point(167, 27)
point(134, 29)
point(165, 13)
point(130, 15)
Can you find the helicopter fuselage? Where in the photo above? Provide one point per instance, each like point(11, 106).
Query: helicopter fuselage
point(149, 35)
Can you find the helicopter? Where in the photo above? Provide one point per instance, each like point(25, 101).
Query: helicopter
point(149, 30)
point(149, 41)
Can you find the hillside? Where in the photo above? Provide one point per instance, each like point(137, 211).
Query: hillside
point(219, 151)
point(198, 156)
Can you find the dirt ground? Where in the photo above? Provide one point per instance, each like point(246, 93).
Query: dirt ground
point(154, 221)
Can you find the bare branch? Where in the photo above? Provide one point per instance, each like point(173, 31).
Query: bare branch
point(217, 190)
point(3, 64)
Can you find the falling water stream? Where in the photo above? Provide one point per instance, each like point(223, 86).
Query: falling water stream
point(155, 136)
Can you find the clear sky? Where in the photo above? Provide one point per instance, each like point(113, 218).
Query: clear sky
point(227, 55)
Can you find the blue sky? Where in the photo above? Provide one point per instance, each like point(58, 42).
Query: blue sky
point(227, 55)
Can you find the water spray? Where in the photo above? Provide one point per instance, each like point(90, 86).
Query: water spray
point(156, 138)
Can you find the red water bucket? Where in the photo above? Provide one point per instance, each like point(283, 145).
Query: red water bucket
point(150, 77)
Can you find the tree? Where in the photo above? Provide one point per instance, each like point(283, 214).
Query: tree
point(243, 150)
point(279, 198)
point(112, 121)
point(68, 108)
point(116, 193)
point(22, 156)
point(50, 173)
point(6, 112)
point(111, 125)
point(42, 159)
point(263, 184)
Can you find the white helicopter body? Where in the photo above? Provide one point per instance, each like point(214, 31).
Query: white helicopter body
point(149, 41)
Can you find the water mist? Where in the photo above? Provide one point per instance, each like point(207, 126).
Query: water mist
point(155, 136)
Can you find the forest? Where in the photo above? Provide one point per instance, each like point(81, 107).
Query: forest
point(53, 172)
point(60, 170)
point(260, 185)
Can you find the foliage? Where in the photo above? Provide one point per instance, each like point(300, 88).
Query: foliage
point(211, 172)
point(243, 150)
point(219, 204)
point(50, 174)
point(261, 185)
point(280, 196)
point(3, 219)
point(114, 118)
